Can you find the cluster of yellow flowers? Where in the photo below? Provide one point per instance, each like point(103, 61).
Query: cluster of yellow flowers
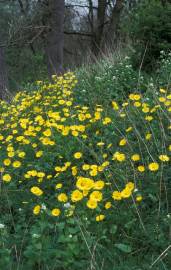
point(70, 156)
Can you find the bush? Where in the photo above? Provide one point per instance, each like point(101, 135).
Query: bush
point(110, 78)
point(149, 27)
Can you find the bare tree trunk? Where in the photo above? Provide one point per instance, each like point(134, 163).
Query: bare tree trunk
point(98, 32)
point(55, 37)
point(112, 33)
point(3, 76)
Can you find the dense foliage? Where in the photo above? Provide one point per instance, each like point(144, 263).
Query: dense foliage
point(86, 184)
point(148, 25)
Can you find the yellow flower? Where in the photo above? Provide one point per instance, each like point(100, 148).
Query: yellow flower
point(108, 205)
point(58, 186)
point(100, 143)
point(76, 196)
point(99, 185)
point(39, 154)
point(56, 212)
point(93, 172)
point(86, 167)
point(119, 157)
point(21, 154)
point(78, 155)
point(84, 183)
point(16, 164)
point(74, 170)
point(137, 97)
point(92, 204)
point(141, 168)
point(40, 174)
point(62, 197)
point(107, 120)
point(96, 196)
point(36, 191)
point(169, 147)
point(47, 132)
point(162, 99)
point(154, 166)
point(137, 104)
point(139, 198)
point(122, 142)
point(126, 193)
point(2, 169)
point(129, 129)
point(135, 157)
point(116, 195)
point(36, 210)
point(115, 106)
point(7, 162)
point(145, 109)
point(149, 118)
point(130, 186)
point(6, 178)
point(134, 97)
point(100, 217)
point(162, 90)
point(148, 136)
point(164, 158)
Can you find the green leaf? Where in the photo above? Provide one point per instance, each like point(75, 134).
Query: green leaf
point(113, 229)
point(123, 247)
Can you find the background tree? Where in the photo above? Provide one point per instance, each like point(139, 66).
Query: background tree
point(3, 76)
point(54, 38)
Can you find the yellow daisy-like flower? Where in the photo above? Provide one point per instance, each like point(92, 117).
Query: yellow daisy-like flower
point(36, 191)
point(7, 162)
point(99, 185)
point(16, 164)
point(39, 154)
point(164, 158)
point(56, 212)
point(126, 193)
point(139, 198)
point(6, 177)
point(58, 186)
point(148, 136)
point(62, 197)
point(122, 142)
point(154, 166)
point(76, 196)
point(96, 196)
point(107, 120)
point(162, 99)
point(141, 168)
point(84, 183)
point(108, 205)
point(137, 104)
point(130, 186)
point(86, 167)
point(78, 155)
point(47, 133)
point(36, 209)
point(129, 129)
point(149, 118)
point(116, 195)
point(92, 204)
point(115, 106)
point(100, 218)
point(119, 157)
point(135, 157)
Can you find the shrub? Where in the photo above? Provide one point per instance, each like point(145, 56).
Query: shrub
point(111, 78)
point(149, 27)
